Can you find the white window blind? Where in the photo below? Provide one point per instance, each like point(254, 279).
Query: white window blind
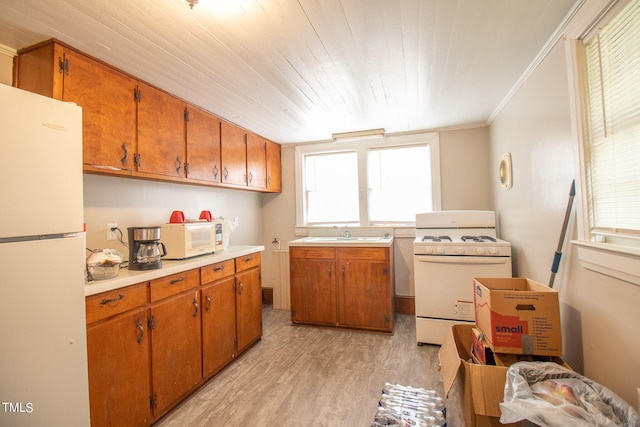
point(613, 134)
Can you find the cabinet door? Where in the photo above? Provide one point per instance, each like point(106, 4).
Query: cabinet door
point(248, 307)
point(161, 134)
point(203, 146)
point(218, 325)
point(176, 352)
point(364, 288)
point(108, 113)
point(256, 161)
point(39, 69)
point(233, 154)
point(119, 371)
point(313, 291)
point(274, 167)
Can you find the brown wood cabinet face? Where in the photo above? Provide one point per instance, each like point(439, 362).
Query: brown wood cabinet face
point(108, 304)
point(176, 348)
point(203, 146)
point(364, 294)
point(313, 291)
point(119, 371)
point(256, 161)
point(274, 167)
point(36, 69)
point(161, 134)
point(248, 307)
point(108, 113)
point(218, 326)
point(349, 287)
point(233, 154)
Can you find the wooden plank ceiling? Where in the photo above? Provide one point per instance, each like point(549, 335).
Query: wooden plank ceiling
point(300, 70)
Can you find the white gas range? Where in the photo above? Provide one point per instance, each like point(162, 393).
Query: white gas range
point(450, 249)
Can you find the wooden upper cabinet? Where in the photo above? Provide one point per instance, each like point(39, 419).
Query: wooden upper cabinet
point(233, 154)
point(108, 113)
point(40, 69)
point(203, 146)
point(256, 161)
point(161, 134)
point(134, 129)
point(274, 167)
point(105, 95)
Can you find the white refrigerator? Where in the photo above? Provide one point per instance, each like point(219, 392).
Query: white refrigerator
point(43, 356)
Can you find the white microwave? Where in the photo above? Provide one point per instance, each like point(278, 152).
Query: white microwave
point(189, 239)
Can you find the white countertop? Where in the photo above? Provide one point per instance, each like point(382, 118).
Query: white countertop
point(126, 277)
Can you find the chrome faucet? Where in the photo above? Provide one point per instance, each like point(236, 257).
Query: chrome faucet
point(345, 232)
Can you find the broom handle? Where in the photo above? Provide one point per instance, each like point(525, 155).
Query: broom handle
point(558, 254)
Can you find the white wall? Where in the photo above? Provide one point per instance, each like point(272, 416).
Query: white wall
point(134, 202)
point(6, 64)
point(600, 315)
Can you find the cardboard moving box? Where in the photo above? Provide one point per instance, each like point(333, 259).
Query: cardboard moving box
point(518, 316)
point(481, 386)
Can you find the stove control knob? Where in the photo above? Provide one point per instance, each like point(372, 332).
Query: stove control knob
point(494, 251)
point(428, 250)
point(460, 251)
point(481, 251)
point(439, 250)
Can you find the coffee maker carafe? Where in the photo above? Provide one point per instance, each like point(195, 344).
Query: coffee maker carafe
point(145, 248)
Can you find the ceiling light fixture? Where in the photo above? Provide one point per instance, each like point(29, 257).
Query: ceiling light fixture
point(359, 134)
point(192, 3)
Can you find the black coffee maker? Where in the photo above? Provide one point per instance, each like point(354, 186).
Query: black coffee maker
point(145, 248)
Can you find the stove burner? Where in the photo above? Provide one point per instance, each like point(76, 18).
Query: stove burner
point(436, 238)
point(478, 239)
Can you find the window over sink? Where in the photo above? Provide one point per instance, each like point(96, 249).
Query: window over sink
point(368, 182)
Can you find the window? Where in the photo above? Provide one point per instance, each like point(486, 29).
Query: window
point(399, 181)
point(372, 182)
point(612, 143)
point(331, 188)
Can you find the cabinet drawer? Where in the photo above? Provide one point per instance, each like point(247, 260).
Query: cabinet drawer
point(216, 271)
point(312, 252)
point(248, 261)
point(174, 284)
point(107, 304)
point(372, 254)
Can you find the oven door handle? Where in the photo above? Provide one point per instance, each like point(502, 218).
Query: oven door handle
point(461, 259)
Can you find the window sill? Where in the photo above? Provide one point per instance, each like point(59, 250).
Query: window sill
point(611, 260)
point(398, 230)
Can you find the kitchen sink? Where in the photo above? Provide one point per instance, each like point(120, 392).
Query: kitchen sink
point(347, 239)
point(338, 239)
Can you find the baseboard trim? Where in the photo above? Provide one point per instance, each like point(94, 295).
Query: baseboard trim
point(405, 305)
point(267, 296)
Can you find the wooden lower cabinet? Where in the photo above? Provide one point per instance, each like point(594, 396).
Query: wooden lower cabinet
point(313, 285)
point(365, 288)
point(176, 358)
point(248, 308)
point(151, 344)
point(218, 325)
point(345, 287)
point(248, 300)
point(118, 350)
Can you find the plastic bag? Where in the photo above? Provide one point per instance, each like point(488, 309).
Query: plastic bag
point(551, 395)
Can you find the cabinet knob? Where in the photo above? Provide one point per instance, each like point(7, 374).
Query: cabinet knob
point(208, 298)
point(195, 307)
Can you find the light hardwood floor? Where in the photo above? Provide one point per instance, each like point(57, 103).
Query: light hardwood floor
point(309, 376)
